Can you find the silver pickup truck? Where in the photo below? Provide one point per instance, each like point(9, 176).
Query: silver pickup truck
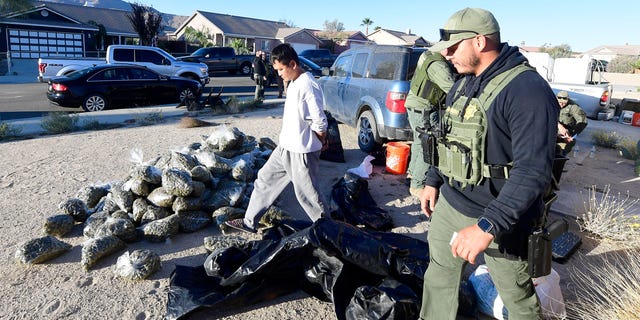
point(151, 57)
point(581, 77)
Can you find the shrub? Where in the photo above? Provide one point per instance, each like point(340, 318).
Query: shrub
point(59, 122)
point(151, 118)
point(97, 125)
point(629, 150)
point(605, 139)
point(606, 287)
point(7, 130)
point(622, 64)
point(608, 217)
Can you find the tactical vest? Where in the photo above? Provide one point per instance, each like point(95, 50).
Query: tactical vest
point(462, 149)
point(421, 85)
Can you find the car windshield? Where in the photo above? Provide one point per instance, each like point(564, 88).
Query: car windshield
point(200, 52)
point(310, 64)
point(79, 73)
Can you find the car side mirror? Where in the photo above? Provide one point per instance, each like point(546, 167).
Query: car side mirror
point(208, 55)
point(326, 71)
point(166, 62)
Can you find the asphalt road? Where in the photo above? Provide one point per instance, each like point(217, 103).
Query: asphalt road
point(26, 100)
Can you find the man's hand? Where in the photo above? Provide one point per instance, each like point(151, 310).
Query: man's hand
point(323, 138)
point(563, 133)
point(428, 199)
point(470, 242)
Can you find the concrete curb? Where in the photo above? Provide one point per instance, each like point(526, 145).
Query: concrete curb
point(32, 126)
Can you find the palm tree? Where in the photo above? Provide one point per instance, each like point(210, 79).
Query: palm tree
point(191, 35)
point(366, 22)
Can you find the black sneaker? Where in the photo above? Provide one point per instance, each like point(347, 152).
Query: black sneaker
point(238, 224)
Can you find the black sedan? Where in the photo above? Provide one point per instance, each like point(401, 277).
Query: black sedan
point(100, 87)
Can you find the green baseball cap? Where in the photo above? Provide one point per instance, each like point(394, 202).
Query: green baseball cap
point(465, 24)
point(563, 94)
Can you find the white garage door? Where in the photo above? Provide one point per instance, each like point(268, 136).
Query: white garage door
point(299, 47)
point(35, 44)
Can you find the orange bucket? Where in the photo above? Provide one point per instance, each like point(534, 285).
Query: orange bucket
point(397, 157)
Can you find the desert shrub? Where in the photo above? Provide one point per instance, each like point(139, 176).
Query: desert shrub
point(606, 287)
point(622, 64)
point(605, 139)
point(235, 105)
point(97, 125)
point(150, 119)
point(7, 130)
point(59, 122)
point(631, 148)
point(610, 217)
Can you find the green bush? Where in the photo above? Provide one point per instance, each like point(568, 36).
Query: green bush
point(622, 64)
point(59, 122)
point(630, 151)
point(151, 118)
point(605, 139)
point(7, 130)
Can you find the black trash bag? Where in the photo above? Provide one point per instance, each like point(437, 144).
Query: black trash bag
point(334, 151)
point(389, 300)
point(356, 206)
point(330, 259)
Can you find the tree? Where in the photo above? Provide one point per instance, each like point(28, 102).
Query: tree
point(334, 26)
point(8, 6)
point(239, 46)
point(146, 22)
point(100, 36)
point(561, 51)
point(201, 36)
point(366, 22)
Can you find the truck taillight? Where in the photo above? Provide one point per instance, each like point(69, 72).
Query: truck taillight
point(604, 98)
point(42, 67)
point(59, 87)
point(395, 101)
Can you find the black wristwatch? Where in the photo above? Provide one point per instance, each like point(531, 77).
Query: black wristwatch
point(486, 226)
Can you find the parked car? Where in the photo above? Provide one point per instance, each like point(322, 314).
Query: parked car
point(367, 87)
point(221, 59)
point(100, 87)
point(151, 57)
point(322, 57)
point(305, 63)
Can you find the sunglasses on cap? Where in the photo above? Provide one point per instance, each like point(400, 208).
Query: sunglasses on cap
point(562, 98)
point(445, 34)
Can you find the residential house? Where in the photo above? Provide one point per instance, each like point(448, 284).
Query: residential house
point(607, 53)
point(398, 38)
point(54, 29)
point(256, 34)
point(353, 39)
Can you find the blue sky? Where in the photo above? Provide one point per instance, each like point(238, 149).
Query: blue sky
point(583, 25)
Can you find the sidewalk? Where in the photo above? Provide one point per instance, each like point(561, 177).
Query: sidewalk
point(32, 126)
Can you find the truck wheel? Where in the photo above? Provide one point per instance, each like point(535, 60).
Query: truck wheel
point(94, 102)
point(368, 138)
point(245, 69)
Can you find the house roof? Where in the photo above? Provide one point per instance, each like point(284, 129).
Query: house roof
point(408, 38)
point(114, 21)
point(243, 26)
point(284, 33)
point(625, 50)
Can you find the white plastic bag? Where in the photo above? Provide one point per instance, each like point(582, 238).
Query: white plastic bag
point(547, 289)
point(364, 169)
point(550, 295)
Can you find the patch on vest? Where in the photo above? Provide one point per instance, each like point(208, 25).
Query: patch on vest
point(471, 110)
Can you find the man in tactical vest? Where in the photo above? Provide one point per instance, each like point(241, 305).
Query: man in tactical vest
point(571, 122)
point(430, 83)
point(484, 192)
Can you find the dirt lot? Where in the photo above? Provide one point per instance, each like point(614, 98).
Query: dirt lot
point(37, 174)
